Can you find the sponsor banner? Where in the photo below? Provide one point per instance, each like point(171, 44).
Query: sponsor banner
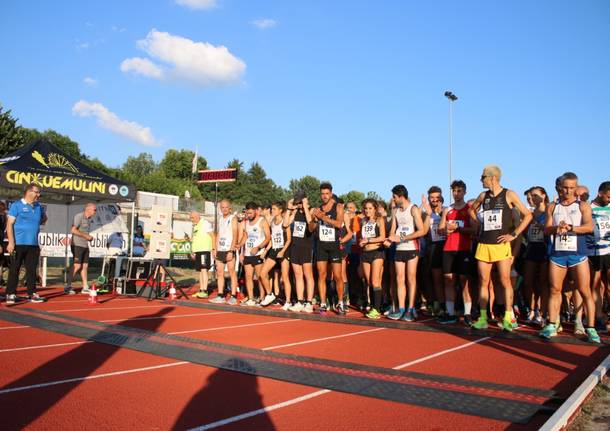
point(54, 244)
point(180, 249)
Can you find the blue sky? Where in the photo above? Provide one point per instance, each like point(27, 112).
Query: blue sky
point(349, 91)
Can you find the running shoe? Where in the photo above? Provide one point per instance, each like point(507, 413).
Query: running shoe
point(549, 331)
point(467, 320)
point(396, 315)
point(218, 300)
point(409, 316)
point(297, 307)
point(600, 325)
point(447, 319)
point(373, 314)
point(11, 299)
point(268, 300)
point(579, 329)
point(315, 300)
point(85, 291)
point(232, 300)
point(36, 298)
point(323, 308)
point(507, 325)
point(69, 291)
point(202, 294)
point(286, 306)
point(481, 323)
point(592, 336)
point(308, 307)
point(340, 309)
point(249, 303)
point(559, 328)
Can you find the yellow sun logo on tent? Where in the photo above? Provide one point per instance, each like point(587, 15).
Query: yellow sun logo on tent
point(59, 161)
point(55, 160)
point(40, 158)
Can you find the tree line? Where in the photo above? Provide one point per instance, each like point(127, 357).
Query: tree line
point(173, 173)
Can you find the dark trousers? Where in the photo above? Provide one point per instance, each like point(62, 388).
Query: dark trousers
point(28, 255)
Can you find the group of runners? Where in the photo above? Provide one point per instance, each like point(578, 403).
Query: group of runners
point(410, 257)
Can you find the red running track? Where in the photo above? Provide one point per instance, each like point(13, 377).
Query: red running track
point(51, 381)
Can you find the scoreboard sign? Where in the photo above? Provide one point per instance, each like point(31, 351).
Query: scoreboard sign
point(217, 175)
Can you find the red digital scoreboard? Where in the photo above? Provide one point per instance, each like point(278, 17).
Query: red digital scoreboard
point(217, 175)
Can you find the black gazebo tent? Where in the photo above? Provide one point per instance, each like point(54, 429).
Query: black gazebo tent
point(61, 178)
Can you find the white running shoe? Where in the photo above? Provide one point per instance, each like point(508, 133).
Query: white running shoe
point(218, 300)
point(308, 307)
point(268, 300)
point(286, 306)
point(297, 307)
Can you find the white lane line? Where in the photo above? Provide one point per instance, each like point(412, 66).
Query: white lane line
point(235, 326)
point(444, 352)
point(85, 297)
point(13, 327)
point(16, 349)
point(95, 376)
point(96, 308)
point(218, 328)
point(260, 411)
point(166, 317)
point(315, 340)
point(311, 395)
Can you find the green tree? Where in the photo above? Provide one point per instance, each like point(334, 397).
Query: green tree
point(373, 195)
point(12, 136)
point(353, 196)
point(139, 166)
point(310, 185)
point(179, 164)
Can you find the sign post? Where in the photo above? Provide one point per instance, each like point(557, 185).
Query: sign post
point(216, 176)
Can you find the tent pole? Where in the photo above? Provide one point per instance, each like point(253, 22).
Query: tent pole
point(67, 262)
point(132, 230)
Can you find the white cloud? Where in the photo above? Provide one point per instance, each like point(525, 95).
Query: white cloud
point(91, 82)
point(199, 63)
point(118, 29)
point(264, 23)
point(142, 66)
point(110, 121)
point(197, 4)
point(83, 45)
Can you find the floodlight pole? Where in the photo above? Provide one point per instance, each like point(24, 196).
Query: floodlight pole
point(452, 98)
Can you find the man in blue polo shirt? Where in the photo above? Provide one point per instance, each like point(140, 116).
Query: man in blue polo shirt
point(22, 226)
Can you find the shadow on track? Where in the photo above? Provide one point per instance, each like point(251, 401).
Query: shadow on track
point(77, 363)
point(225, 394)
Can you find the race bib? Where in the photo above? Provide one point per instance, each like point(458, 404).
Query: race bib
point(277, 240)
point(434, 233)
point(327, 233)
point(603, 227)
point(204, 259)
point(368, 230)
point(566, 243)
point(298, 230)
point(535, 234)
point(250, 243)
point(223, 244)
point(403, 231)
point(492, 220)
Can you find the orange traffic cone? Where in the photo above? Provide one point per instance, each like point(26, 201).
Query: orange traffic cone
point(93, 295)
point(172, 292)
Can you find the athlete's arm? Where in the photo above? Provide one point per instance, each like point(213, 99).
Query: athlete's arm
point(393, 237)
point(526, 217)
point(242, 234)
point(474, 208)
point(10, 221)
point(235, 230)
point(348, 229)
point(549, 229)
point(337, 223)
point(289, 214)
point(425, 217)
point(419, 224)
point(442, 225)
point(586, 224)
point(282, 252)
point(311, 223)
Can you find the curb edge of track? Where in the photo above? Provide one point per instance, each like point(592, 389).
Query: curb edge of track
point(564, 415)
